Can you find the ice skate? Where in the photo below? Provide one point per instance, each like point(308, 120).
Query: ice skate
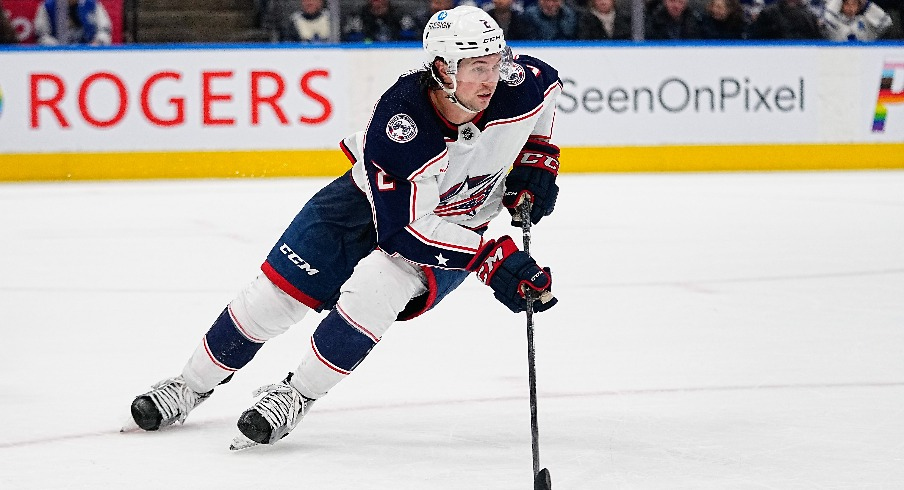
point(169, 401)
point(272, 417)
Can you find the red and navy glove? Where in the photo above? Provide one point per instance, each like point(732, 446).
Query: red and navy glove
point(533, 177)
point(511, 272)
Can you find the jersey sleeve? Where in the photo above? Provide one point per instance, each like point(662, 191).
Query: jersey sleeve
point(547, 84)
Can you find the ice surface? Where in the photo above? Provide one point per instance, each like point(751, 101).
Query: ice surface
point(714, 331)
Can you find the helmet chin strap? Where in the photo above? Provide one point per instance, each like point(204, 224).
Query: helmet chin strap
point(450, 92)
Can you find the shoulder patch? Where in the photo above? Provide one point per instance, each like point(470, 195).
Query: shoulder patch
point(514, 76)
point(401, 128)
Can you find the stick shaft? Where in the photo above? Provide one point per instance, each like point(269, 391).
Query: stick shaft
point(524, 211)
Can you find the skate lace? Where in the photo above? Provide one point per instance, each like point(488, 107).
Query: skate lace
point(282, 406)
point(174, 399)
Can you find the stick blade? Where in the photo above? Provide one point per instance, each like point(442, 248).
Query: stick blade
point(543, 481)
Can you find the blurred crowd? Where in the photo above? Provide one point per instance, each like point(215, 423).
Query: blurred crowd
point(375, 21)
point(565, 20)
point(85, 22)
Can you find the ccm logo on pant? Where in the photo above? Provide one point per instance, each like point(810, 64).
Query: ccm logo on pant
point(298, 261)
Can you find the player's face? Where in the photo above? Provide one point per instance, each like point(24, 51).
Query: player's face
point(477, 79)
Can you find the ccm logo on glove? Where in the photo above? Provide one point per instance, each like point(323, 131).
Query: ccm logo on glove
point(511, 272)
point(547, 162)
point(496, 253)
point(533, 177)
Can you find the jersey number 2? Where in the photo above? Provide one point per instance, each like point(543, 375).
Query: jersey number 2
point(384, 181)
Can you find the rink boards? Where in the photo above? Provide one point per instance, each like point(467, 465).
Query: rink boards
point(243, 110)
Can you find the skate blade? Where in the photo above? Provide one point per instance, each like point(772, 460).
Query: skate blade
point(129, 426)
point(240, 442)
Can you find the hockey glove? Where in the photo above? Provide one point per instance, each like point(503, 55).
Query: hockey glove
point(533, 177)
point(512, 273)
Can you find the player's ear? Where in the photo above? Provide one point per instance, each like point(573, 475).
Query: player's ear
point(439, 69)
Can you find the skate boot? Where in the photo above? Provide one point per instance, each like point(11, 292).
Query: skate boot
point(169, 402)
point(274, 415)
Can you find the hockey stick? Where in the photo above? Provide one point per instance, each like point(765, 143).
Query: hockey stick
point(542, 479)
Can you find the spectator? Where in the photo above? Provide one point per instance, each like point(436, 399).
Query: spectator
point(552, 20)
point(262, 10)
point(723, 19)
point(751, 9)
point(89, 23)
point(434, 6)
point(378, 21)
point(673, 20)
point(309, 24)
point(786, 19)
point(854, 20)
point(602, 20)
point(895, 9)
point(515, 25)
point(7, 31)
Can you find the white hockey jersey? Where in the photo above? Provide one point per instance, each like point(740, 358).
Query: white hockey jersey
point(870, 23)
point(432, 185)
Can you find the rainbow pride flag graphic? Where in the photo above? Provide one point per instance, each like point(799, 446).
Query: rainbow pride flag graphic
point(1, 101)
point(886, 95)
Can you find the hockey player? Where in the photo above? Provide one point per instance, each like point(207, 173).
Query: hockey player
point(393, 236)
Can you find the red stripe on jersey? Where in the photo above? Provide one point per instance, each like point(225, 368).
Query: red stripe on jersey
point(214, 359)
point(325, 362)
point(241, 329)
point(431, 294)
point(427, 165)
point(450, 246)
point(357, 326)
point(411, 178)
point(443, 119)
point(287, 287)
point(452, 126)
point(516, 119)
point(540, 139)
point(412, 213)
point(348, 153)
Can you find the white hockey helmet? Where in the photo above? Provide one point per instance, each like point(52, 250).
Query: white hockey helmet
point(464, 32)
